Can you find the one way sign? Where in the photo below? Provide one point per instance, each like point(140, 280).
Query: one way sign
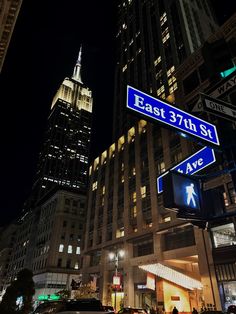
point(216, 106)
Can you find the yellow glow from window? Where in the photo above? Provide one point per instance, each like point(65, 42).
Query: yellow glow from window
point(134, 171)
point(95, 185)
point(120, 233)
point(134, 212)
point(167, 219)
point(143, 191)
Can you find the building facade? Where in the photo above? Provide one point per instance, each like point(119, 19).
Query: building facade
point(167, 261)
point(192, 75)
point(7, 240)
point(9, 11)
point(153, 38)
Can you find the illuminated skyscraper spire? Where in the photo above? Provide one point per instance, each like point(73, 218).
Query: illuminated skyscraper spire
point(77, 69)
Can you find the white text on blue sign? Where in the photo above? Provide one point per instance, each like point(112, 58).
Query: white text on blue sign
point(191, 165)
point(170, 115)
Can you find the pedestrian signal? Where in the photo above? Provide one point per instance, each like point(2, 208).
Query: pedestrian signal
point(182, 192)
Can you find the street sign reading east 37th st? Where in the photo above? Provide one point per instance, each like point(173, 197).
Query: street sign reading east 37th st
point(196, 162)
point(165, 113)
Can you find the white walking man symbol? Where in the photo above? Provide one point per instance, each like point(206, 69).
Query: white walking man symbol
point(190, 194)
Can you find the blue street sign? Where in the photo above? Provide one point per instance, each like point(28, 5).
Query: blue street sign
point(163, 112)
point(196, 162)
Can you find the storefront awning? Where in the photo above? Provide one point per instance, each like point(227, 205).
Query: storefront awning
point(172, 275)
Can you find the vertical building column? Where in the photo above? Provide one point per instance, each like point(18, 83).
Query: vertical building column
point(128, 276)
point(160, 294)
point(207, 271)
point(106, 289)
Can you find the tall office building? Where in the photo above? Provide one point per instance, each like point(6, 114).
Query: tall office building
point(153, 38)
point(49, 234)
point(167, 262)
point(63, 159)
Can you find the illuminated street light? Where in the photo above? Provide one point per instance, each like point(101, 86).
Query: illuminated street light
point(116, 279)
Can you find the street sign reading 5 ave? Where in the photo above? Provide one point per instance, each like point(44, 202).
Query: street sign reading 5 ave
point(196, 162)
point(165, 113)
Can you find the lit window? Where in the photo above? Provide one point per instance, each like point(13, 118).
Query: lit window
point(61, 248)
point(95, 185)
point(161, 167)
point(103, 190)
point(226, 201)
point(134, 171)
point(134, 197)
point(167, 219)
point(143, 191)
point(124, 68)
point(134, 212)
point(78, 250)
point(76, 265)
point(163, 18)
point(160, 90)
point(158, 60)
point(120, 232)
point(70, 250)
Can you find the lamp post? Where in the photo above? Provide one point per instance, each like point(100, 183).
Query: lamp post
point(115, 256)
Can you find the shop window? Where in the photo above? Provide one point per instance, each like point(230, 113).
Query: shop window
point(224, 235)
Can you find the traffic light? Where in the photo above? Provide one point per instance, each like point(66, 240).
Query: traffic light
point(217, 56)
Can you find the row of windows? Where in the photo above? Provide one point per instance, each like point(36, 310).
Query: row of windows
point(70, 249)
point(67, 263)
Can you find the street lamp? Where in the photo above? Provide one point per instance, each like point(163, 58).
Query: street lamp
point(116, 279)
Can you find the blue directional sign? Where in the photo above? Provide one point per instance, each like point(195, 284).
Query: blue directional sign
point(196, 162)
point(167, 114)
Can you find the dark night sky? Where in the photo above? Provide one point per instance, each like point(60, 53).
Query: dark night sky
point(42, 52)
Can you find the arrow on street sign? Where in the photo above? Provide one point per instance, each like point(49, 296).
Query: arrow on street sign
point(167, 114)
point(194, 163)
point(198, 107)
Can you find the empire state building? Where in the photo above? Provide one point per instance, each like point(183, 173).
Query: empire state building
point(63, 160)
